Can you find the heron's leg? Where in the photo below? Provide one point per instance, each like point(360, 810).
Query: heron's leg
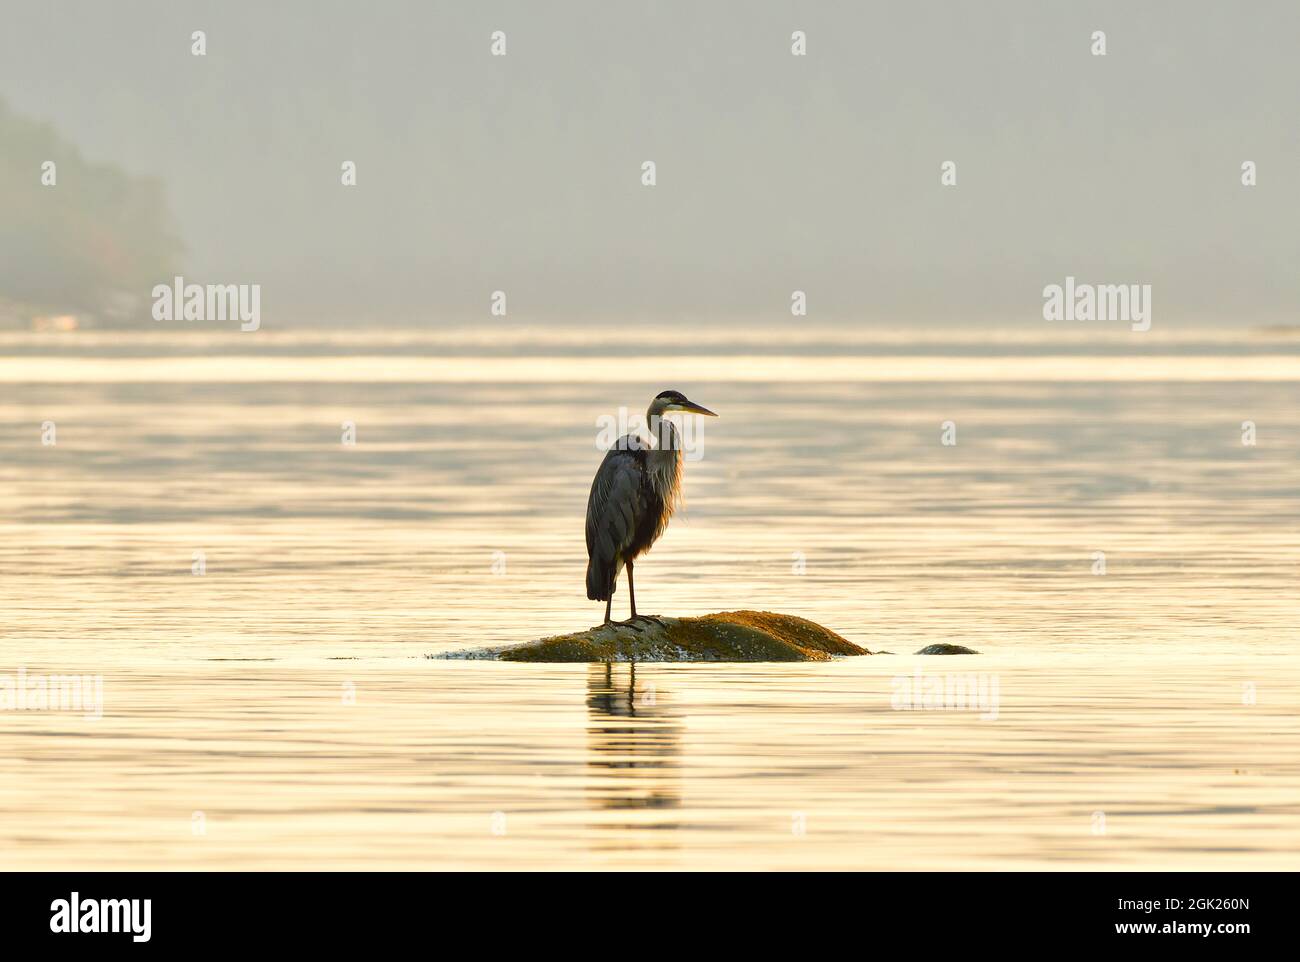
point(632, 595)
point(630, 623)
point(608, 604)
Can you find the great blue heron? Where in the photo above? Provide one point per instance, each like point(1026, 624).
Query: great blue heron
point(632, 497)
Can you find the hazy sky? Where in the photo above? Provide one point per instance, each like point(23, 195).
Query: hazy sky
point(775, 172)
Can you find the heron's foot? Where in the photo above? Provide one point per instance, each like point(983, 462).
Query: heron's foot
point(657, 619)
point(630, 623)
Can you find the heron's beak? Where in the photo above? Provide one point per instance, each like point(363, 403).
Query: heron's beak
point(690, 407)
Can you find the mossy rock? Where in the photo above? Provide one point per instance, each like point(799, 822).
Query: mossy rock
point(725, 636)
point(942, 649)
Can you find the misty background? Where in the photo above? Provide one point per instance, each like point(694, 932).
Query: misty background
point(522, 173)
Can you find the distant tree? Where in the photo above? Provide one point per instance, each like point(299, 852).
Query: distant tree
point(94, 243)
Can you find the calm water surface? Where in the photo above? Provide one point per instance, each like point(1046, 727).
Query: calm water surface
point(278, 711)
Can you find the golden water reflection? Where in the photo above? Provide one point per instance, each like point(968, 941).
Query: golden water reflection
point(634, 749)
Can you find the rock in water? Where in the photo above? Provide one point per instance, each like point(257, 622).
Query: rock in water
point(942, 649)
point(726, 636)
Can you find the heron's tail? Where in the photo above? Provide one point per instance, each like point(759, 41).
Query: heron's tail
point(600, 579)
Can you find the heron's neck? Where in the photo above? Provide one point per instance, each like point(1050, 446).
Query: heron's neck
point(665, 462)
point(664, 433)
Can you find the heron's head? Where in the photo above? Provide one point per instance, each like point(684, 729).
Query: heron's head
point(668, 401)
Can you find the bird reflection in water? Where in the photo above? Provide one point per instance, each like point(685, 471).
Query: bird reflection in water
point(633, 749)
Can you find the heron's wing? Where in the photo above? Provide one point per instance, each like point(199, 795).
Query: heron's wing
point(617, 503)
